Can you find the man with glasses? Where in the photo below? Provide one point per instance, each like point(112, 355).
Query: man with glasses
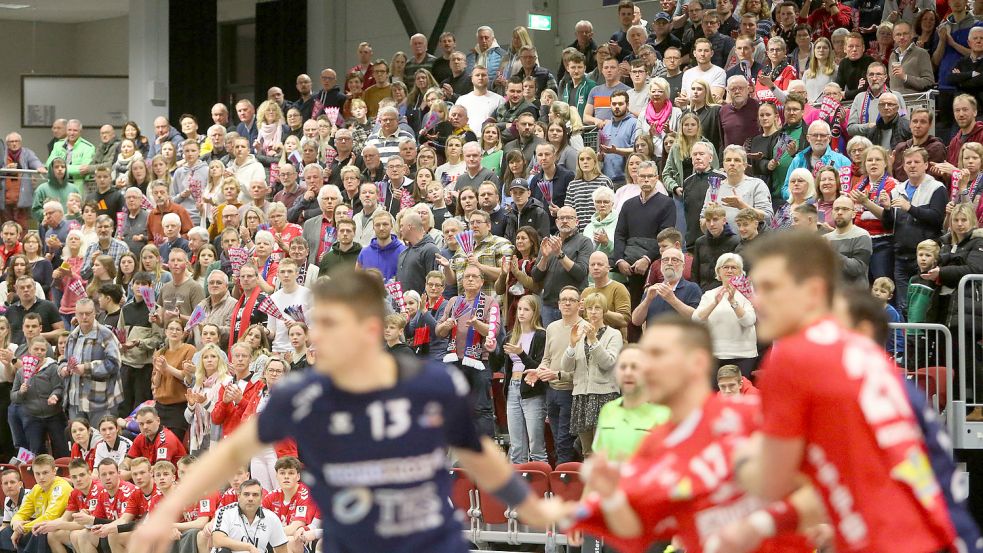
point(890, 128)
point(344, 144)
point(218, 305)
point(487, 256)
point(457, 82)
point(528, 58)
point(330, 95)
point(739, 118)
point(817, 154)
point(389, 135)
point(381, 89)
point(864, 111)
point(104, 245)
point(563, 260)
point(91, 368)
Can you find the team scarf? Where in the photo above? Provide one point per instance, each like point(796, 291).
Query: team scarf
point(865, 104)
point(243, 310)
point(473, 345)
point(658, 118)
point(865, 184)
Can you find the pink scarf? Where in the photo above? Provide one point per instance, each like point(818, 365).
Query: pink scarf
point(658, 119)
point(270, 136)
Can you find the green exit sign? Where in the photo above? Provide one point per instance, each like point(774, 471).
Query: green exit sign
point(540, 22)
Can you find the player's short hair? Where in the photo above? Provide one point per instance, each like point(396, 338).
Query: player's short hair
point(808, 210)
point(187, 460)
point(15, 472)
point(44, 460)
point(288, 462)
point(671, 234)
point(692, 335)
point(140, 461)
point(249, 483)
point(78, 464)
point(358, 290)
point(395, 319)
point(862, 307)
point(109, 461)
point(714, 211)
point(147, 408)
point(806, 255)
point(164, 464)
point(884, 281)
point(728, 371)
point(749, 215)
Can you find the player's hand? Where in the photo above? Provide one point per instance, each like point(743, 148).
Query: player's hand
point(603, 476)
point(575, 539)
point(104, 530)
point(83, 518)
point(544, 513)
point(641, 266)
point(154, 536)
point(736, 537)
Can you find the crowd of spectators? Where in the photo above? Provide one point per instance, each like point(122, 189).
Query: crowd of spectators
point(526, 220)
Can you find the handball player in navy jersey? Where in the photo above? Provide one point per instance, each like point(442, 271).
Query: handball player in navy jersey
point(373, 431)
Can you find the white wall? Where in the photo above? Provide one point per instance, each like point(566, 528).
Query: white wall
point(95, 47)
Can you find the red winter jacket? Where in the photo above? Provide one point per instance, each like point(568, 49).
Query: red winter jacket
point(976, 135)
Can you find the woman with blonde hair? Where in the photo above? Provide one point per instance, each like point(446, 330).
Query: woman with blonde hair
point(569, 119)
point(591, 356)
point(820, 70)
point(273, 129)
point(580, 190)
point(211, 373)
point(801, 190)
point(397, 67)
point(659, 115)
point(679, 165)
point(150, 262)
point(511, 64)
point(876, 181)
point(707, 108)
point(211, 192)
point(423, 84)
point(491, 147)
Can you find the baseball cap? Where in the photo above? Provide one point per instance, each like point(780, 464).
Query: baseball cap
point(518, 183)
point(662, 15)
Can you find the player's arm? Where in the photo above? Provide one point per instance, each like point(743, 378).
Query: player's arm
point(64, 522)
point(218, 465)
point(801, 512)
point(222, 540)
point(770, 466)
point(198, 523)
point(492, 472)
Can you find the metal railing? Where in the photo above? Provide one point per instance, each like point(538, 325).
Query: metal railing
point(968, 395)
point(924, 351)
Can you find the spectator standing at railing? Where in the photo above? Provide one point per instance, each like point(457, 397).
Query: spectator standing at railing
point(76, 151)
point(17, 190)
point(910, 68)
point(890, 127)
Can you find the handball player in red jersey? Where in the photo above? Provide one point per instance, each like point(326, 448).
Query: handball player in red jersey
point(835, 410)
point(679, 484)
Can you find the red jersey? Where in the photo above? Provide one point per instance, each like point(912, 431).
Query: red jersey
point(202, 509)
point(78, 501)
point(127, 499)
point(89, 455)
point(864, 451)
point(680, 481)
point(228, 497)
point(301, 506)
point(866, 219)
point(165, 447)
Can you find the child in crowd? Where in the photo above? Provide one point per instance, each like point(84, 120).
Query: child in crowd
point(748, 222)
point(924, 303)
point(717, 240)
point(171, 223)
point(393, 334)
point(883, 290)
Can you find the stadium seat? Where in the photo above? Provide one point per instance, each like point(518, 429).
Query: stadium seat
point(27, 475)
point(461, 487)
point(565, 482)
point(932, 380)
point(541, 466)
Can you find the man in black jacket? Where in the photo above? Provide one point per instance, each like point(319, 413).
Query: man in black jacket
point(635, 245)
point(525, 211)
point(549, 186)
point(853, 69)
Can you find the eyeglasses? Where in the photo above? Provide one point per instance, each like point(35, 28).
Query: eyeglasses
point(566, 218)
point(568, 300)
point(672, 260)
point(818, 135)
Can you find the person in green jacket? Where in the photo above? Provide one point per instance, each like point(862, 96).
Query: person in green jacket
point(57, 188)
point(76, 151)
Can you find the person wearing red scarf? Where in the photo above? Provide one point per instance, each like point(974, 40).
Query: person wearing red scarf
point(245, 312)
point(17, 192)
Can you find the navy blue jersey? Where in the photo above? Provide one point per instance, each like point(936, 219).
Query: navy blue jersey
point(955, 487)
point(377, 462)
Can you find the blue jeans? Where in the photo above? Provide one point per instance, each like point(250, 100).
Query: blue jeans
point(527, 425)
point(550, 313)
point(38, 429)
point(558, 406)
point(882, 258)
point(15, 417)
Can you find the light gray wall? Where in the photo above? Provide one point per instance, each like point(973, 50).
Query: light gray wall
point(92, 48)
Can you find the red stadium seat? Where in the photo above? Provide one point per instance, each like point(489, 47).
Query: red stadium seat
point(932, 380)
point(566, 483)
point(27, 475)
point(461, 486)
point(61, 466)
point(492, 510)
point(573, 466)
point(541, 466)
